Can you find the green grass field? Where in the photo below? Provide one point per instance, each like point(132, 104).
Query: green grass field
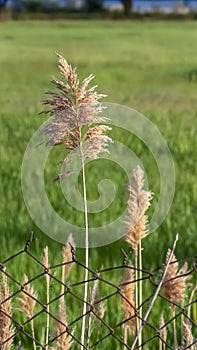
point(142, 65)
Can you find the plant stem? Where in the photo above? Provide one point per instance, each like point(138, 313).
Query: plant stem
point(174, 328)
point(136, 287)
point(140, 289)
point(86, 248)
point(33, 334)
point(125, 332)
point(47, 309)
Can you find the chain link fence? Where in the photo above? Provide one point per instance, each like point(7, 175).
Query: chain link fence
point(53, 316)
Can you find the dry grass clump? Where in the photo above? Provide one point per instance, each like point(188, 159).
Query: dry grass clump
point(6, 328)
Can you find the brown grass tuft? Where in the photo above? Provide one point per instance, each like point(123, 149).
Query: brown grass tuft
point(175, 281)
point(6, 328)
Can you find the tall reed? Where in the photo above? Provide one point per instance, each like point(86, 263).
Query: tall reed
point(45, 261)
point(99, 311)
point(128, 302)
point(28, 303)
point(136, 225)
point(6, 328)
point(74, 110)
point(174, 287)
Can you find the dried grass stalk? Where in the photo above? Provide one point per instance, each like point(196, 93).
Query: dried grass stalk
point(163, 334)
point(194, 290)
point(72, 107)
point(45, 261)
point(128, 301)
point(67, 259)
point(6, 328)
point(136, 225)
point(99, 308)
point(28, 303)
point(187, 339)
point(64, 340)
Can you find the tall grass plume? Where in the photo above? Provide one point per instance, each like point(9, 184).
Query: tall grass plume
point(7, 329)
point(75, 109)
point(136, 226)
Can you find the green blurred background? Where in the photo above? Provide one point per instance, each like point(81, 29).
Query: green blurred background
point(144, 65)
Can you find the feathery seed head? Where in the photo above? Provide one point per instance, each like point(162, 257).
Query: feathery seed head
point(28, 298)
point(138, 203)
point(74, 106)
point(187, 335)
point(128, 302)
point(95, 297)
point(6, 327)
point(175, 281)
point(64, 340)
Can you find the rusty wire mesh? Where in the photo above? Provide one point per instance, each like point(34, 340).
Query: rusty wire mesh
point(106, 334)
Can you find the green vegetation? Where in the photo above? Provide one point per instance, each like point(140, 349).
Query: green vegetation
point(143, 65)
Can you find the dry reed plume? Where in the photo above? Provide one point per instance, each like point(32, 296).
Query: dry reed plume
point(64, 340)
point(174, 287)
point(73, 107)
point(175, 282)
point(28, 303)
point(127, 290)
point(74, 110)
point(187, 339)
point(97, 307)
point(6, 328)
point(138, 203)
point(136, 225)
